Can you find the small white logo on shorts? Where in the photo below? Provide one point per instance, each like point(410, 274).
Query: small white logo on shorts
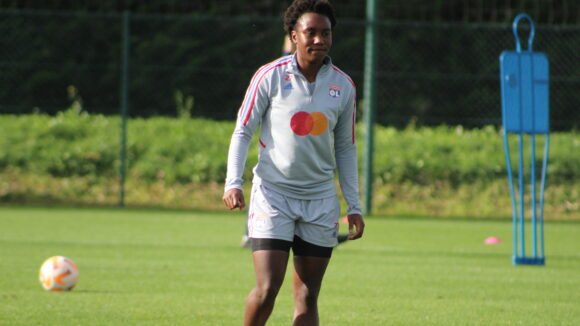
point(262, 222)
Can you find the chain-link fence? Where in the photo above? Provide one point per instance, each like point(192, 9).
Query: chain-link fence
point(449, 73)
point(430, 73)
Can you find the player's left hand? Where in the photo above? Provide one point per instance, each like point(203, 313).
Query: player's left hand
point(356, 226)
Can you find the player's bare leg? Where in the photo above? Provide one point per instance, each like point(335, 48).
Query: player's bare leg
point(270, 268)
point(308, 274)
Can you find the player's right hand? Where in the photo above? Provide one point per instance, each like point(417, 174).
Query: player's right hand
point(234, 198)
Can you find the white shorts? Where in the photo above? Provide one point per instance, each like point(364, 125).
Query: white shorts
point(276, 216)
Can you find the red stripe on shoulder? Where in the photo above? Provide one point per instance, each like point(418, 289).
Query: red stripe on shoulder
point(354, 110)
point(256, 77)
point(257, 85)
point(344, 74)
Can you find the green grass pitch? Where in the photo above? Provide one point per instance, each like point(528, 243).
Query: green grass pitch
point(156, 267)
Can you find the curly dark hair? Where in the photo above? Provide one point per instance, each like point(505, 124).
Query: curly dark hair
point(300, 7)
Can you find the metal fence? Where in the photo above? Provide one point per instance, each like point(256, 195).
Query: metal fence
point(429, 73)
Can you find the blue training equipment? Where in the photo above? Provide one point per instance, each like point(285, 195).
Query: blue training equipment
point(524, 78)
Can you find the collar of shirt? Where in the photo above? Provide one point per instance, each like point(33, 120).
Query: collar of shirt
point(326, 63)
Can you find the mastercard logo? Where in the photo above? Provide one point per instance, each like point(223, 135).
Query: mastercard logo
point(304, 123)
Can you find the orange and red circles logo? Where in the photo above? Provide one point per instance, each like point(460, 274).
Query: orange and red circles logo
point(304, 123)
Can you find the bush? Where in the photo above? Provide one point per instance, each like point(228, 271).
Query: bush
point(180, 151)
point(73, 158)
point(456, 155)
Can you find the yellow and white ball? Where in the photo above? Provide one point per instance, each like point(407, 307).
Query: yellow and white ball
point(58, 273)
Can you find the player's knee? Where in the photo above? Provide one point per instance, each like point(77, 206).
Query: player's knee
point(306, 297)
point(267, 293)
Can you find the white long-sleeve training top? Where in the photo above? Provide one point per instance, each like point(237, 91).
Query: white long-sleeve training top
point(307, 130)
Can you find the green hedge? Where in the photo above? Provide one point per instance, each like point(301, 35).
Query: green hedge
point(181, 151)
point(457, 155)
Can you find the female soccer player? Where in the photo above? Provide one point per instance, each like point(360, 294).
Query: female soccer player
point(305, 107)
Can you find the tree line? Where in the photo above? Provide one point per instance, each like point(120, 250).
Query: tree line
point(429, 73)
point(560, 12)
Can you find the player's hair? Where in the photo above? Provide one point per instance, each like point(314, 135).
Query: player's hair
point(300, 7)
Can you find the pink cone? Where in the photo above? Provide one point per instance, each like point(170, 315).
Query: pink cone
point(492, 240)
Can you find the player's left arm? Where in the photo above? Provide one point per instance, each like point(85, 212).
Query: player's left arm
point(346, 163)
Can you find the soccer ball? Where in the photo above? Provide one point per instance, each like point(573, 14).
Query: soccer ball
point(58, 273)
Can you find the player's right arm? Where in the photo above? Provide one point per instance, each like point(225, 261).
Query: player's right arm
point(256, 102)
point(234, 198)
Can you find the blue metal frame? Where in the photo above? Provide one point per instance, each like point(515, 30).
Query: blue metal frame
point(524, 77)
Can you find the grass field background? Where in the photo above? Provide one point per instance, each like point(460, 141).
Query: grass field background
point(171, 267)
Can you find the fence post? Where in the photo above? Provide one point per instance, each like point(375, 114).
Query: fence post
point(369, 102)
point(124, 103)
